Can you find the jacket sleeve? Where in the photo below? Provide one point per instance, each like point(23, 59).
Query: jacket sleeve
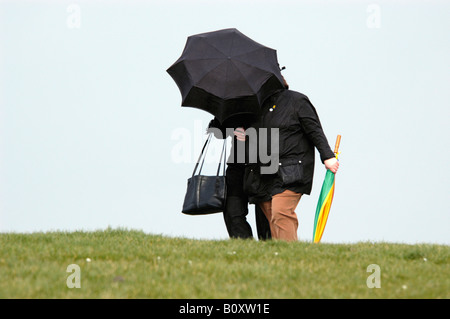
point(309, 120)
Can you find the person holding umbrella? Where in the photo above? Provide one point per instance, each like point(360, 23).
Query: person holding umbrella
point(300, 132)
point(228, 74)
point(236, 207)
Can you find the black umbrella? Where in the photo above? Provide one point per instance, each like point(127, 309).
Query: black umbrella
point(226, 73)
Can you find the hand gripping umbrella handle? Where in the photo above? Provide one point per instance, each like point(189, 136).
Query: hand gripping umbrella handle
point(336, 147)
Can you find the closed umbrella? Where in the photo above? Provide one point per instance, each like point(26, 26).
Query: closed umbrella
point(325, 200)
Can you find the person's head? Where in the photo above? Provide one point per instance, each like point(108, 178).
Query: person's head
point(240, 120)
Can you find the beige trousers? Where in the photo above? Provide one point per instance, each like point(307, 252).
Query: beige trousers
point(280, 212)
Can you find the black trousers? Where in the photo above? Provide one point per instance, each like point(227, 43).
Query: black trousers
point(236, 207)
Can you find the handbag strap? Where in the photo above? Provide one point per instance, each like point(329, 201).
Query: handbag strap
point(224, 152)
point(203, 153)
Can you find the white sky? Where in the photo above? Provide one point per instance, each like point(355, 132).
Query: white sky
point(90, 120)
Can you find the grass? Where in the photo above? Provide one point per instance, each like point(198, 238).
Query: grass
point(132, 264)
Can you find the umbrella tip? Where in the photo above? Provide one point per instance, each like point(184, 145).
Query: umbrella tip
point(282, 68)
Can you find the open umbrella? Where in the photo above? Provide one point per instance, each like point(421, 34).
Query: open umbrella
point(226, 73)
point(325, 200)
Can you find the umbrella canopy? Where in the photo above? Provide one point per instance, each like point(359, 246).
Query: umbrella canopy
point(325, 200)
point(225, 73)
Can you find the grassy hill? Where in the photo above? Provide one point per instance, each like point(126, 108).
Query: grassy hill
point(132, 264)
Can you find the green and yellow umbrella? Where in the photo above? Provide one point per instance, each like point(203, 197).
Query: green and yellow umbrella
point(325, 200)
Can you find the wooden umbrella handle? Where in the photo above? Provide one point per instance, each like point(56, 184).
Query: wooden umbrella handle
point(338, 141)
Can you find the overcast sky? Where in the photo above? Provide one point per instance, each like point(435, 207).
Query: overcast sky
point(92, 133)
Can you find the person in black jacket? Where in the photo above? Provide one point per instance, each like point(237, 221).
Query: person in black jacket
point(300, 132)
point(236, 206)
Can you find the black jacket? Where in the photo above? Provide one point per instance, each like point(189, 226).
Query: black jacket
point(300, 132)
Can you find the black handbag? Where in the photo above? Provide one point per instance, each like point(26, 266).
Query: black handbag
point(206, 194)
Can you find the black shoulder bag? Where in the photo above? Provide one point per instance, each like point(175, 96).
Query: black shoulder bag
point(206, 194)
